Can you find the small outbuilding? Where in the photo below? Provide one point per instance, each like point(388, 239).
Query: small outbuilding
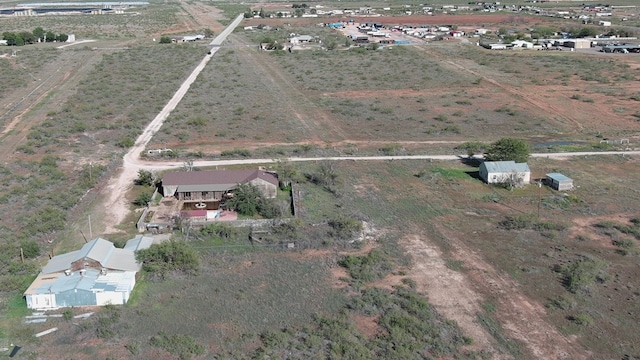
point(505, 172)
point(559, 182)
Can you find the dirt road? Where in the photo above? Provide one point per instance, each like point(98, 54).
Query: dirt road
point(116, 205)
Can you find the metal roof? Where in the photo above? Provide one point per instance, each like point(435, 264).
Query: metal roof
point(92, 280)
point(505, 166)
point(207, 187)
point(60, 262)
point(102, 251)
point(558, 177)
point(139, 242)
point(122, 259)
point(218, 177)
point(97, 249)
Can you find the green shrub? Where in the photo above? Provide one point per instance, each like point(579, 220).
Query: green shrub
point(143, 198)
point(182, 346)
point(169, 256)
point(581, 319)
point(561, 303)
point(376, 264)
point(344, 228)
point(582, 273)
point(67, 314)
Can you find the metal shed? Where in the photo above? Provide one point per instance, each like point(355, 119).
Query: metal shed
point(559, 182)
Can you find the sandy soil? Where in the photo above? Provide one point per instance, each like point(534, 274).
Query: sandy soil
point(522, 318)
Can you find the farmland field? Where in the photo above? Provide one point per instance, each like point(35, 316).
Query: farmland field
point(447, 267)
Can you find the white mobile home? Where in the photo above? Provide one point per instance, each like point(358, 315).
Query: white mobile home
point(505, 172)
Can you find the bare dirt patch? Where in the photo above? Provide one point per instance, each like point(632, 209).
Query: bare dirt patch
point(449, 291)
point(367, 325)
point(523, 318)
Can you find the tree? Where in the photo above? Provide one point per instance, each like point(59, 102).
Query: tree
point(19, 40)
point(62, 38)
point(287, 173)
point(38, 33)
point(472, 147)
point(10, 37)
point(507, 149)
point(50, 36)
point(246, 200)
point(27, 37)
point(587, 32)
point(164, 39)
point(146, 178)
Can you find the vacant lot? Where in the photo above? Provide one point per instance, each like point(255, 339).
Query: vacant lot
point(357, 100)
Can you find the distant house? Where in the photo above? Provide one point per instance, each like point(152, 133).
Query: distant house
point(301, 39)
point(497, 46)
point(559, 182)
point(521, 44)
point(97, 274)
point(214, 185)
point(505, 172)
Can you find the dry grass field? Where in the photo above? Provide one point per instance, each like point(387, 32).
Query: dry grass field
point(406, 97)
point(508, 274)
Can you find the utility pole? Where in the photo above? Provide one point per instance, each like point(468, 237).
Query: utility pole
point(539, 197)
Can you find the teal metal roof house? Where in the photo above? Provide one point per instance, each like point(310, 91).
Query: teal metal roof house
point(502, 172)
point(97, 274)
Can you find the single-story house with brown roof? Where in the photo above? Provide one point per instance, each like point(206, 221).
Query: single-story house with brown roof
point(214, 185)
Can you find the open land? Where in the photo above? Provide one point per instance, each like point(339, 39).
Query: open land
point(496, 266)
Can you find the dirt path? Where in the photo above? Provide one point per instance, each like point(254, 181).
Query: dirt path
point(318, 125)
point(116, 207)
point(448, 290)
point(522, 318)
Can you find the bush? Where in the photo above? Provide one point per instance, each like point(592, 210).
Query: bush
point(169, 256)
point(581, 319)
point(183, 346)
point(30, 249)
point(376, 264)
point(344, 228)
point(145, 178)
point(582, 273)
point(143, 199)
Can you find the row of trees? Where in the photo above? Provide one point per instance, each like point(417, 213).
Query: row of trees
point(37, 35)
